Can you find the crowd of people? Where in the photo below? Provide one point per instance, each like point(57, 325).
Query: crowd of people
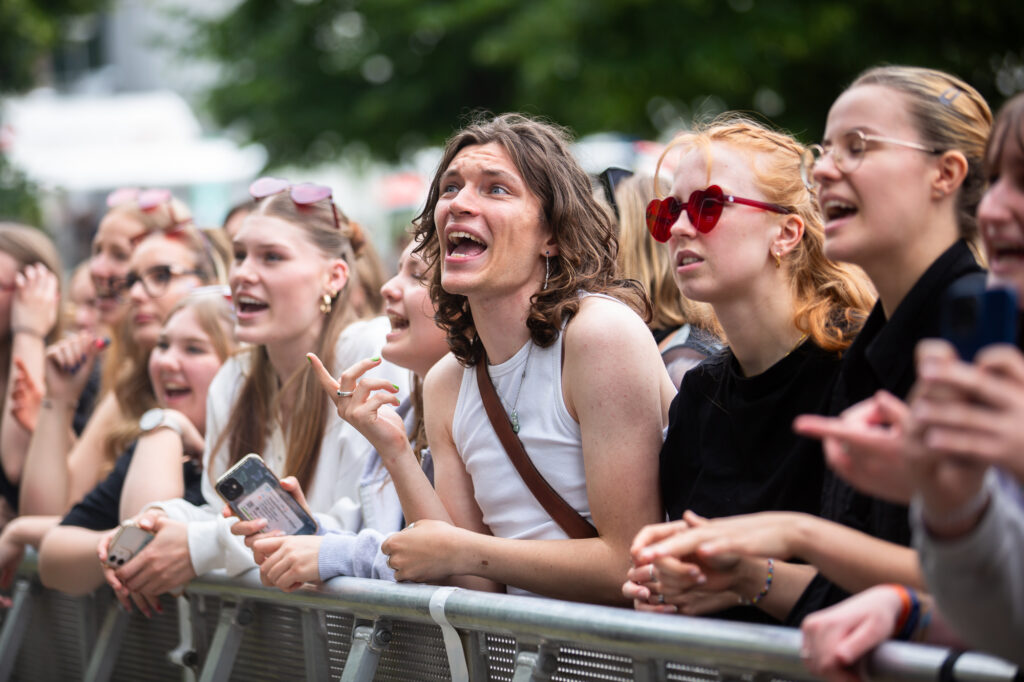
point(718, 390)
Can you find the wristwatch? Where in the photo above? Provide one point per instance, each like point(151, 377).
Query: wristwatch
point(158, 418)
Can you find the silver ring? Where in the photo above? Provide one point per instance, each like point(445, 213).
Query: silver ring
point(661, 599)
point(653, 579)
point(344, 394)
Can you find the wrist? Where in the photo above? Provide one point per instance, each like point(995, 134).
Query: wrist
point(58, 404)
point(760, 584)
point(27, 330)
point(946, 521)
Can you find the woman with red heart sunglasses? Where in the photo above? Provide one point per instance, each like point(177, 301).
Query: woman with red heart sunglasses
point(746, 236)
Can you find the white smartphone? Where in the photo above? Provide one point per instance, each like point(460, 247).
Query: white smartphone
point(126, 543)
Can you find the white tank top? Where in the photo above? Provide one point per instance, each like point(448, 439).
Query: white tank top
point(549, 434)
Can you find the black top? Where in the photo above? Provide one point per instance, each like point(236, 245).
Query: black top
point(730, 447)
point(882, 357)
point(100, 508)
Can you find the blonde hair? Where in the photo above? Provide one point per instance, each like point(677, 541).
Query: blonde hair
point(949, 115)
point(132, 386)
point(28, 246)
point(832, 299)
point(257, 407)
point(643, 259)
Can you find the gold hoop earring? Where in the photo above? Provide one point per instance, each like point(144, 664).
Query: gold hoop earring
point(325, 303)
point(778, 260)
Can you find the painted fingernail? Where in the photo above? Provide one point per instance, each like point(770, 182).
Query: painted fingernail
point(375, 358)
point(396, 387)
point(101, 343)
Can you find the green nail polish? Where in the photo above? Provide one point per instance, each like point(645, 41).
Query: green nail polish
point(375, 359)
point(396, 387)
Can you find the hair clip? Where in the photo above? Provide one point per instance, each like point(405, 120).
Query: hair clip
point(949, 95)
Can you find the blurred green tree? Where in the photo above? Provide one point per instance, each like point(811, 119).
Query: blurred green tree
point(29, 30)
point(312, 78)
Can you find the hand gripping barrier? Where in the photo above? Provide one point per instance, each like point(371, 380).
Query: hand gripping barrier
point(354, 630)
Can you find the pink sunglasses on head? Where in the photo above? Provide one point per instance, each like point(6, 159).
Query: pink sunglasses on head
point(303, 194)
point(147, 199)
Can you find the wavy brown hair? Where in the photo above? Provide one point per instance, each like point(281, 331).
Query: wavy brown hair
point(582, 229)
point(1009, 126)
point(832, 299)
point(259, 404)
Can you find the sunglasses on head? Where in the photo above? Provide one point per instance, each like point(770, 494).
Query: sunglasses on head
point(703, 208)
point(610, 179)
point(304, 194)
point(147, 199)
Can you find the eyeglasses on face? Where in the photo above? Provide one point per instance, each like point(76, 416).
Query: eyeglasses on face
point(703, 209)
point(155, 280)
point(303, 194)
point(848, 152)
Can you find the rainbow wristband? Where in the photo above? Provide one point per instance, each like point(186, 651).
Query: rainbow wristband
point(767, 584)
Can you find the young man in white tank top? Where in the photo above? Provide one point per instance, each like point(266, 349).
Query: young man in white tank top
point(514, 233)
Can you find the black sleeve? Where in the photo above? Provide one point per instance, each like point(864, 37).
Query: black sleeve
point(99, 509)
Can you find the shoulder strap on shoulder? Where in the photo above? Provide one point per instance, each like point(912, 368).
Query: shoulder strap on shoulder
point(561, 512)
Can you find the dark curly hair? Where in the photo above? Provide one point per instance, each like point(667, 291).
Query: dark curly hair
point(582, 229)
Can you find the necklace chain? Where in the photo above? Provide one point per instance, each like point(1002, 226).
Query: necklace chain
point(514, 415)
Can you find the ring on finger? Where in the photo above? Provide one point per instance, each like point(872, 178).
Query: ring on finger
point(661, 599)
point(653, 579)
point(344, 394)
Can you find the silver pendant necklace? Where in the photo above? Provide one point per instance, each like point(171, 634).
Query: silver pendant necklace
point(514, 415)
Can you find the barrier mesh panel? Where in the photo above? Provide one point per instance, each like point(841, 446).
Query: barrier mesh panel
point(684, 672)
point(339, 641)
point(416, 653)
point(144, 647)
point(51, 649)
point(501, 657)
point(576, 665)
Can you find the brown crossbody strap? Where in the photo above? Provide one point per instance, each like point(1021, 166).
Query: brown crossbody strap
point(561, 512)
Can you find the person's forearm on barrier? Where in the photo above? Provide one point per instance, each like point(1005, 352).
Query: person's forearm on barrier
point(67, 560)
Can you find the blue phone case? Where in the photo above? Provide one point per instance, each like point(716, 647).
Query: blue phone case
point(974, 317)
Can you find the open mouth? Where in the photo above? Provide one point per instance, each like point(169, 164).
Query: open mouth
point(398, 322)
point(248, 304)
point(683, 259)
point(464, 245)
point(1006, 252)
point(176, 391)
point(836, 208)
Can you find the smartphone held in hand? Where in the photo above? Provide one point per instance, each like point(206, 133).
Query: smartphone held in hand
point(252, 491)
point(126, 543)
point(974, 317)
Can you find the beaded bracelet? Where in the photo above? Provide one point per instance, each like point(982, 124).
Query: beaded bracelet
point(764, 590)
point(910, 612)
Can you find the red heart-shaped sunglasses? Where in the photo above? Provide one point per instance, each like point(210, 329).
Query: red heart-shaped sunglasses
point(703, 208)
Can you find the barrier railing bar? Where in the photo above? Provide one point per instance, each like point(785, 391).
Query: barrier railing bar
point(314, 637)
point(15, 627)
point(226, 640)
point(754, 649)
point(108, 645)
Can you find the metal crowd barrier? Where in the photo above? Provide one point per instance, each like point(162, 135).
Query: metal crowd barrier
point(356, 630)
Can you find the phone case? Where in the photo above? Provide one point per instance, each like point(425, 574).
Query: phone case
point(126, 543)
point(974, 317)
point(252, 491)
